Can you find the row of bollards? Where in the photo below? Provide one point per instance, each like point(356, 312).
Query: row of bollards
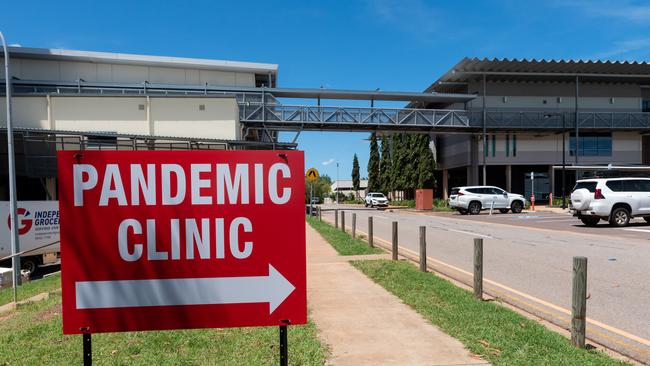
point(579, 279)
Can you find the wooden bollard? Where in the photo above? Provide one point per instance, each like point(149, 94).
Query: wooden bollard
point(478, 268)
point(394, 240)
point(354, 225)
point(336, 219)
point(343, 221)
point(370, 240)
point(423, 248)
point(579, 302)
point(320, 213)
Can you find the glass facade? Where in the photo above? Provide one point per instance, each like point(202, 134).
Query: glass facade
point(591, 144)
point(645, 106)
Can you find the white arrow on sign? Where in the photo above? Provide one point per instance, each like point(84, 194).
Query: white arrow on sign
point(274, 289)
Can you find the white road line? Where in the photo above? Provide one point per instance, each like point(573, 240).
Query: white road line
point(469, 233)
point(633, 229)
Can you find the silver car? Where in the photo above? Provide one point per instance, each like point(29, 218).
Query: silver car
point(476, 198)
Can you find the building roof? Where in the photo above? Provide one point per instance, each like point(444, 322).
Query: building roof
point(145, 60)
point(469, 69)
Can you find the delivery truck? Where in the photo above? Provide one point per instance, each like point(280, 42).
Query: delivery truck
point(38, 233)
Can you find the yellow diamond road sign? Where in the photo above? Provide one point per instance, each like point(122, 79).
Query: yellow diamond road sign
point(312, 174)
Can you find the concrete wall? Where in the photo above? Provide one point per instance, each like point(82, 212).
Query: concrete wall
point(558, 96)
point(48, 70)
point(163, 116)
point(183, 117)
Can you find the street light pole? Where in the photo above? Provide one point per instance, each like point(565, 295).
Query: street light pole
point(337, 182)
point(15, 245)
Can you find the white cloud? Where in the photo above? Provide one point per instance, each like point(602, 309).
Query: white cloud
point(328, 162)
point(627, 47)
point(411, 16)
point(627, 10)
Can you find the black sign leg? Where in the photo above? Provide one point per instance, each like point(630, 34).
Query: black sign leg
point(88, 353)
point(284, 346)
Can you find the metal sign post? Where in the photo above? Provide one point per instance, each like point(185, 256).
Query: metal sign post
point(532, 190)
point(15, 244)
point(311, 175)
point(284, 346)
point(87, 347)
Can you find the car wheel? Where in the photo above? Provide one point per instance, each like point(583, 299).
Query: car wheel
point(462, 211)
point(516, 207)
point(619, 217)
point(503, 210)
point(366, 204)
point(590, 221)
point(29, 264)
point(474, 208)
point(647, 219)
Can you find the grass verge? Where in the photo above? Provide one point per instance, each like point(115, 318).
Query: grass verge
point(488, 329)
point(32, 335)
point(31, 288)
point(342, 242)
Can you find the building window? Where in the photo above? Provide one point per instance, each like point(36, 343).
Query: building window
point(507, 145)
point(514, 145)
point(645, 106)
point(591, 144)
point(486, 146)
point(494, 145)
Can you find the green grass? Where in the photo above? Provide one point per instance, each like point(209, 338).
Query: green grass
point(32, 335)
point(498, 334)
point(29, 289)
point(342, 242)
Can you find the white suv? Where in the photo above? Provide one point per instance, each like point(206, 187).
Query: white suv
point(376, 199)
point(616, 200)
point(474, 199)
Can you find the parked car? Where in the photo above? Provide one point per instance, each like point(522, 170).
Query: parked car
point(616, 200)
point(376, 199)
point(476, 198)
point(315, 200)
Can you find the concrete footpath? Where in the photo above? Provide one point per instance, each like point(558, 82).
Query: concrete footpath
point(363, 324)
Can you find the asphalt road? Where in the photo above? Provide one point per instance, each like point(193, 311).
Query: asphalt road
point(529, 257)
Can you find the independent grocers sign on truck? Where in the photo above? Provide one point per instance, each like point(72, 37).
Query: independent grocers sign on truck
point(38, 225)
point(170, 240)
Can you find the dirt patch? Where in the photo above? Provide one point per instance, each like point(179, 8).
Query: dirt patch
point(7, 317)
point(50, 313)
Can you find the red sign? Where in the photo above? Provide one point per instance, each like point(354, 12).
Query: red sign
point(173, 240)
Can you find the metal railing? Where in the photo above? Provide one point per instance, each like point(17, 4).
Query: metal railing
point(550, 119)
point(351, 117)
point(260, 109)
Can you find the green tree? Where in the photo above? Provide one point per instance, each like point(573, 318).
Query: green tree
point(322, 187)
point(401, 158)
point(386, 166)
point(374, 184)
point(356, 183)
point(426, 164)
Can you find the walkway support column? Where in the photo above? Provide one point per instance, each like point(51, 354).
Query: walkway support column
point(445, 184)
point(485, 144)
point(577, 122)
point(509, 178)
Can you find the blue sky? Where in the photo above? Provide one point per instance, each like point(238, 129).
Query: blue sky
point(397, 45)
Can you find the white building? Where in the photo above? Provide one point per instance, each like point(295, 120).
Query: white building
point(345, 187)
point(65, 99)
